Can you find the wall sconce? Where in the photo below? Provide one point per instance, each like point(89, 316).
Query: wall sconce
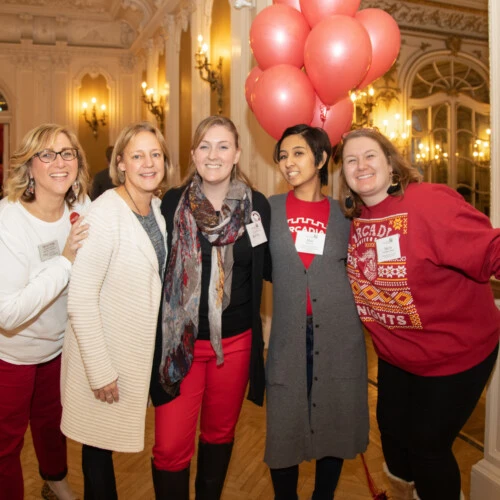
point(212, 76)
point(94, 120)
point(156, 108)
point(364, 101)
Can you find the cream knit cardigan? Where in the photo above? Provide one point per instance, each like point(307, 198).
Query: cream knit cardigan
point(114, 297)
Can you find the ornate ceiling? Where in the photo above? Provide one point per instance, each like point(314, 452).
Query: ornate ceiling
point(82, 23)
point(121, 23)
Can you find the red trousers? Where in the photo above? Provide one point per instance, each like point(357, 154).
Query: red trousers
point(30, 394)
point(217, 390)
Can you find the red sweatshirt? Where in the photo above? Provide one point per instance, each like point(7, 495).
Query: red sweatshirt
point(423, 292)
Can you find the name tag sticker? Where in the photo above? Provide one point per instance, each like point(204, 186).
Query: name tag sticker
point(306, 242)
point(256, 231)
point(49, 250)
point(388, 248)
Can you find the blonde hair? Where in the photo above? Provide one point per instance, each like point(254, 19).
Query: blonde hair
point(37, 139)
point(201, 130)
point(402, 171)
point(126, 135)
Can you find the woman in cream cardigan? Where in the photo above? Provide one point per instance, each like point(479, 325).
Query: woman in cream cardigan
point(113, 304)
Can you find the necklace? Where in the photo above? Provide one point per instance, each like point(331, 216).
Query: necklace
point(136, 207)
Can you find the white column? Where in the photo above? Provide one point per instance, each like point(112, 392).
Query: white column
point(485, 476)
point(172, 78)
point(200, 25)
point(256, 145)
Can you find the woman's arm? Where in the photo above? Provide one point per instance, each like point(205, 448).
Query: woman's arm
point(461, 237)
point(23, 297)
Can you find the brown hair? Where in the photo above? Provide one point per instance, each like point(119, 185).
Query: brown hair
point(401, 169)
point(200, 133)
point(37, 139)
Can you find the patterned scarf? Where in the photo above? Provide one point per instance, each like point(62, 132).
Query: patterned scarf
point(182, 287)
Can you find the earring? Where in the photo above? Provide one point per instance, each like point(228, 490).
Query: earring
point(30, 190)
point(76, 188)
point(349, 202)
point(395, 184)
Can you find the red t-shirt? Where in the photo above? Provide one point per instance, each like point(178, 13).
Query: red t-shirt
point(311, 216)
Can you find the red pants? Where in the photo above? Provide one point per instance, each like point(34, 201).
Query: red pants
point(29, 394)
point(218, 390)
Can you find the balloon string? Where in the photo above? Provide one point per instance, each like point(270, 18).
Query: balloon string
point(323, 111)
point(375, 492)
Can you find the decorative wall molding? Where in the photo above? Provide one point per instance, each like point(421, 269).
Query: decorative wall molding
point(242, 4)
point(128, 63)
point(434, 19)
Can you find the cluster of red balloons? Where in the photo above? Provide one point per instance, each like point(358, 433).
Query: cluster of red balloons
point(310, 54)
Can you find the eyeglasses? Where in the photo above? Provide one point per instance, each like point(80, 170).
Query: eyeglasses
point(47, 155)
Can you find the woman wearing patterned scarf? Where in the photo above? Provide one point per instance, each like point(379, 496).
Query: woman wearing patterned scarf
point(209, 341)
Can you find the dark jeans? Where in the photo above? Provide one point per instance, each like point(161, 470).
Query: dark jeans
point(98, 474)
point(419, 419)
point(328, 469)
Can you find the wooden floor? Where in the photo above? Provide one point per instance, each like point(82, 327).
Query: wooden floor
point(248, 477)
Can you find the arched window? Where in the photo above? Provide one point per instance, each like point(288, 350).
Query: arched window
point(450, 110)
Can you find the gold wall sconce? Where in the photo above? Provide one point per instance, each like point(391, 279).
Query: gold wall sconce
point(212, 76)
point(157, 108)
point(93, 120)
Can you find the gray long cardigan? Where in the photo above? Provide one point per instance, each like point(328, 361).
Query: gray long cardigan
point(338, 425)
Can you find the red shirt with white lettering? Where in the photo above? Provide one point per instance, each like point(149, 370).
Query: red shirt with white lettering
point(311, 216)
point(419, 267)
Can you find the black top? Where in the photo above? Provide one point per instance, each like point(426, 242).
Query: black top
point(260, 261)
point(102, 182)
point(237, 317)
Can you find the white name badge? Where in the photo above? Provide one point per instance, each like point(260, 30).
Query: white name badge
point(49, 250)
point(256, 231)
point(388, 248)
point(307, 242)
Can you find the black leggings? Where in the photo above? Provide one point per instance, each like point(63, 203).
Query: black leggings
point(98, 474)
point(419, 419)
point(328, 471)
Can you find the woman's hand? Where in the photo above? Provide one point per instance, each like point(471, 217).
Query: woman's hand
point(79, 231)
point(108, 393)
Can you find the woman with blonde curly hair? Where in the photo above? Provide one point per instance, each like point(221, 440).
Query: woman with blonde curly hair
point(40, 233)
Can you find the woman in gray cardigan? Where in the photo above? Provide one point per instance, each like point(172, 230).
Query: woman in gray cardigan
point(316, 375)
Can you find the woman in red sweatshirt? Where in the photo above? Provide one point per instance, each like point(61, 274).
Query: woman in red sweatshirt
point(419, 262)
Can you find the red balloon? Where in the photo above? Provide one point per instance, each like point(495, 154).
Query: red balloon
point(335, 120)
point(316, 10)
point(277, 36)
point(252, 77)
point(292, 3)
point(283, 96)
point(385, 38)
point(337, 56)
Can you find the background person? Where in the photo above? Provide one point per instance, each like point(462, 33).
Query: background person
point(420, 260)
point(114, 299)
point(48, 180)
point(102, 180)
point(316, 371)
point(211, 325)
